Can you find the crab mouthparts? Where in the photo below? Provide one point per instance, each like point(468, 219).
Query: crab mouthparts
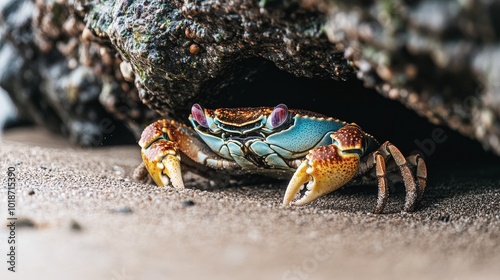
point(241, 137)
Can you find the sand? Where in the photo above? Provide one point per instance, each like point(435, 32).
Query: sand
point(82, 216)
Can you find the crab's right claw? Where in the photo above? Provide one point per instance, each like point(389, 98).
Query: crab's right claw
point(161, 156)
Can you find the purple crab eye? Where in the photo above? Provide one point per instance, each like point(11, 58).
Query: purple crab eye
point(199, 115)
point(279, 115)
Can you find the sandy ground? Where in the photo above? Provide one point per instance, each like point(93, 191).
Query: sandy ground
point(81, 216)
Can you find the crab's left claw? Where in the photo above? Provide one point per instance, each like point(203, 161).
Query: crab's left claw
point(324, 170)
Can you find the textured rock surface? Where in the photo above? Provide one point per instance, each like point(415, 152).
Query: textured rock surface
point(439, 58)
point(181, 50)
point(59, 79)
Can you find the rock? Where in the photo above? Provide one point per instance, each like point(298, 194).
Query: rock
point(439, 58)
point(177, 48)
point(58, 80)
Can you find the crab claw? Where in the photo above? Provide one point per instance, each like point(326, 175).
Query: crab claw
point(163, 163)
point(160, 155)
point(325, 170)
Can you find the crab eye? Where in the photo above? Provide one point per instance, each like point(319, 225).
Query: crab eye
point(199, 115)
point(279, 115)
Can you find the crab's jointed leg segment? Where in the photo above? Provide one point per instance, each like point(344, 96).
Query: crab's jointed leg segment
point(421, 173)
point(383, 189)
point(376, 161)
point(412, 172)
point(328, 168)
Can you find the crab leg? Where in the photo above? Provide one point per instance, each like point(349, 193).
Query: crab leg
point(377, 161)
point(421, 173)
point(162, 143)
point(412, 169)
point(327, 168)
point(414, 186)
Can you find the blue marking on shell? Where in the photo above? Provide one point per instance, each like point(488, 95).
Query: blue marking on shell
point(215, 144)
point(260, 148)
point(276, 162)
point(327, 140)
point(238, 155)
point(244, 163)
point(235, 149)
point(305, 134)
point(224, 152)
point(287, 154)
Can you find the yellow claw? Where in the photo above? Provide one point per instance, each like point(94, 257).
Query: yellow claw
point(173, 171)
point(325, 169)
point(163, 163)
point(296, 183)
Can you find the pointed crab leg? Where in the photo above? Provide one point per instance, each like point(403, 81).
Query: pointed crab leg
point(327, 168)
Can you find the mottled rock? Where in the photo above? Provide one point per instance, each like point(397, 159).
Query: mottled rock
point(59, 80)
point(439, 58)
point(93, 59)
point(176, 49)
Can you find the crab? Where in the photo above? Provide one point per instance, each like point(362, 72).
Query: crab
point(320, 154)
